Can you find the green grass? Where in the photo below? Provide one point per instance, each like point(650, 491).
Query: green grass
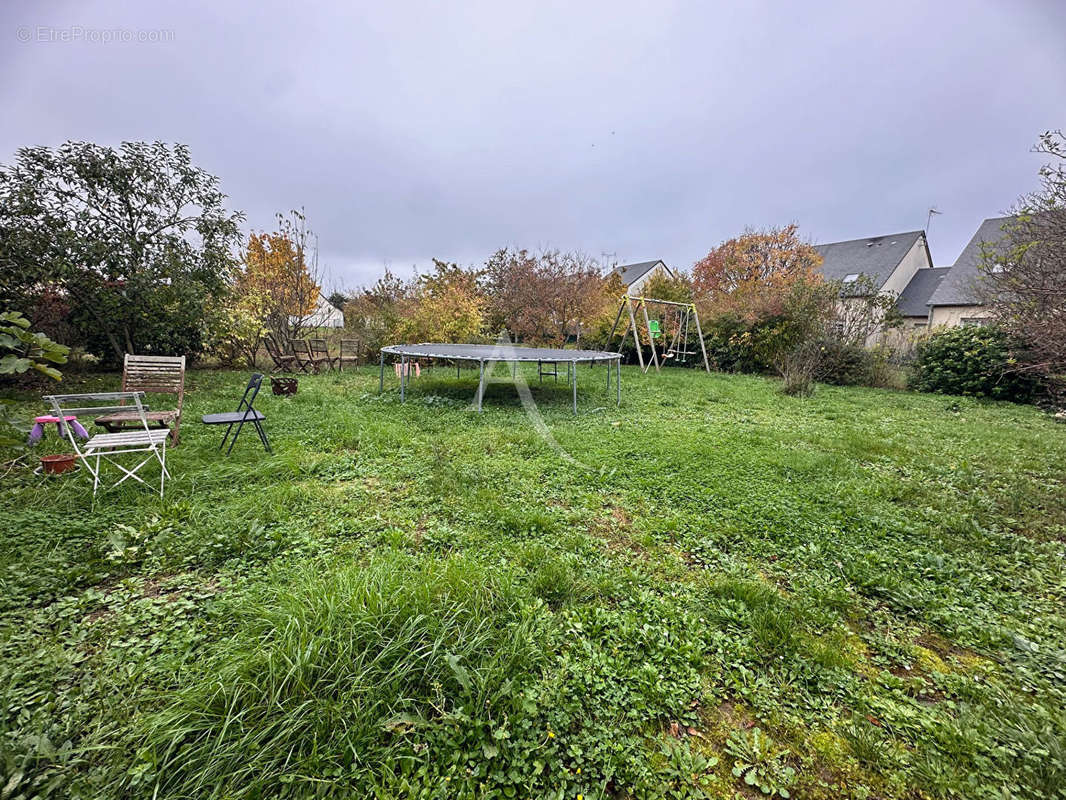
point(736, 593)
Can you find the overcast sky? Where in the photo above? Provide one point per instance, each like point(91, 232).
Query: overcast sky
point(410, 130)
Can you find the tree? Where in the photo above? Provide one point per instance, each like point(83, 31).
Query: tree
point(663, 286)
point(862, 311)
point(237, 327)
point(795, 339)
point(375, 314)
point(766, 305)
point(137, 238)
point(1023, 277)
point(746, 275)
point(543, 297)
point(517, 294)
point(574, 292)
point(279, 284)
point(447, 307)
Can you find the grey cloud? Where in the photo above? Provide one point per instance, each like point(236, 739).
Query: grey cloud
point(651, 130)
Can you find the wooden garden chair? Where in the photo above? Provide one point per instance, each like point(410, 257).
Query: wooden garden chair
point(155, 375)
point(320, 353)
point(349, 353)
point(284, 362)
point(301, 353)
point(140, 439)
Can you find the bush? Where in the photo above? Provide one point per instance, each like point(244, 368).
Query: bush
point(730, 343)
point(847, 364)
point(972, 361)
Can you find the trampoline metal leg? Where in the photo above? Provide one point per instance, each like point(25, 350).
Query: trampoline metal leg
point(480, 384)
point(381, 378)
point(403, 376)
point(575, 388)
point(618, 379)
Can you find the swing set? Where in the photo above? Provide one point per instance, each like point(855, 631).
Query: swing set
point(679, 347)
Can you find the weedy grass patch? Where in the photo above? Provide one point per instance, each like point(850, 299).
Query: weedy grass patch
point(731, 593)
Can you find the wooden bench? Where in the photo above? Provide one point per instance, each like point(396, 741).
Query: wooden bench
point(155, 375)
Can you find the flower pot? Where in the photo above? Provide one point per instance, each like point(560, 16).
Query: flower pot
point(283, 386)
point(57, 465)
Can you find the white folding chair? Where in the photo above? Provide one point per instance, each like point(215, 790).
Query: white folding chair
point(108, 446)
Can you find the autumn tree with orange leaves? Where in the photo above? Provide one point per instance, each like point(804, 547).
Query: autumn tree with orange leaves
point(279, 284)
point(749, 275)
point(445, 305)
point(767, 306)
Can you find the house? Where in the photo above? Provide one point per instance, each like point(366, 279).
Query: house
point(956, 300)
point(898, 264)
point(889, 262)
point(325, 315)
point(913, 302)
point(635, 276)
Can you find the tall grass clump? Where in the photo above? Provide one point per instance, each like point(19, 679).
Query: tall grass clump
point(337, 675)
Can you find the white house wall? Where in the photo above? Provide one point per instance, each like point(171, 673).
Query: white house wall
point(917, 258)
point(952, 316)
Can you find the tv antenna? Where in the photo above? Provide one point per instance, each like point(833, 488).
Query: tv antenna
point(929, 217)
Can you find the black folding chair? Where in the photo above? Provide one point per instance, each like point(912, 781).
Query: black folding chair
point(244, 413)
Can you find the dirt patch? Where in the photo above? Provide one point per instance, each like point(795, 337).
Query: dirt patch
point(616, 529)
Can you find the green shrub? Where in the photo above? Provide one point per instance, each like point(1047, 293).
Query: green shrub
point(732, 344)
point(972, 361)
point(847, 364)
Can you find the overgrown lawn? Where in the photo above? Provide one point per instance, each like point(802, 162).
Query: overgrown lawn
point(720, 591)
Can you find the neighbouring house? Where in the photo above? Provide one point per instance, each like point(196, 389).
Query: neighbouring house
point(956, 300)
point(890, 264)
point(913, 302)
point(634, 276)
point(325, 315)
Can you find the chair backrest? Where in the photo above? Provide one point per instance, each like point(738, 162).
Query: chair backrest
point(157, 374)
point(300, 348)
point(318, 347)
point(64, 405)
point(351, 347)
point(250, 392)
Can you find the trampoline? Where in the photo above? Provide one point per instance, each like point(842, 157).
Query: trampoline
point(491, 353)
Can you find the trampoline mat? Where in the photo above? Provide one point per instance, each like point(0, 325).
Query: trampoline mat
point(496, 352)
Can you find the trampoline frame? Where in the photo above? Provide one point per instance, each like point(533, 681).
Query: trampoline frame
point(491, 353)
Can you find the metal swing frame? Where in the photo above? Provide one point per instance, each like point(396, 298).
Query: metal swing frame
point(631, 305)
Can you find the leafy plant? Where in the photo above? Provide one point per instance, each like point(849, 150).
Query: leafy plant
point(971, 360)
point(23, 350)
point(760, 764)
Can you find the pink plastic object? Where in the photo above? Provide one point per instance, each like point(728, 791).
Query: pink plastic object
point(410, 366)
point(37, 433)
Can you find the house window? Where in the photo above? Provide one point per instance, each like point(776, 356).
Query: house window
point(996, 269)
point(851, 277)
point(976, 322)
point(919, 324)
